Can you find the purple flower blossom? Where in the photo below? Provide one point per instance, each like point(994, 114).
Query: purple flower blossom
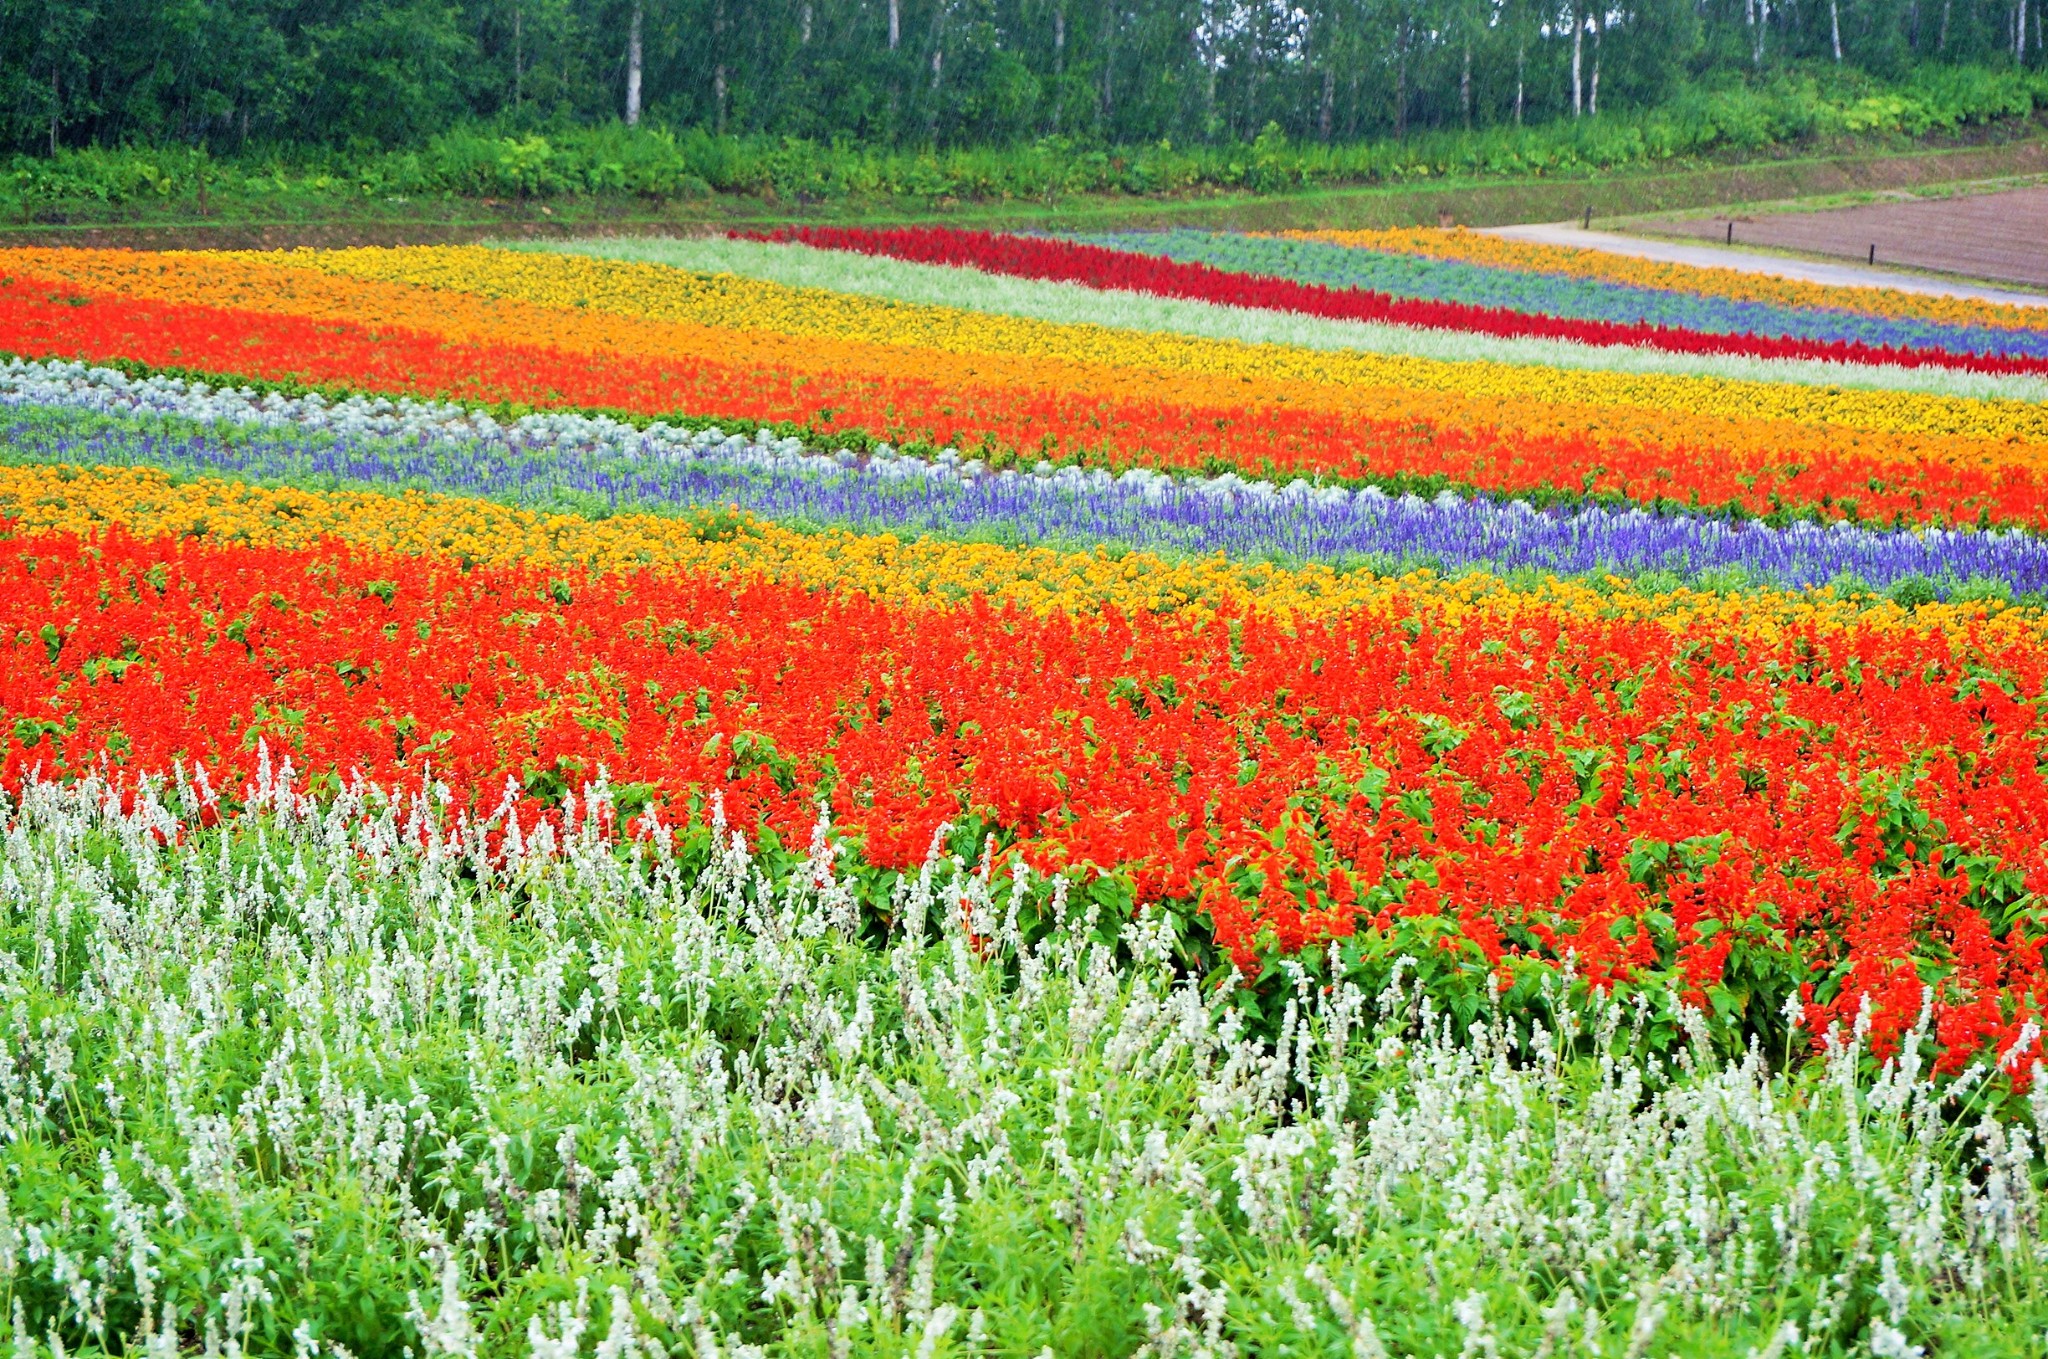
point(1065, 507)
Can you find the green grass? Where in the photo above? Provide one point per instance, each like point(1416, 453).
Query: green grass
point(316, 219)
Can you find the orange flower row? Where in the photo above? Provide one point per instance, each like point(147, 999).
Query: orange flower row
point(251, 314)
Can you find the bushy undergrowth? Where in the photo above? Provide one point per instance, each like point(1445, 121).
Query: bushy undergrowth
point(331, 1078)
point(655, 163)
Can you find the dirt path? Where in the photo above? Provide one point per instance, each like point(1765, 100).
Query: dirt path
point(1995, 235)
point(1749, 262)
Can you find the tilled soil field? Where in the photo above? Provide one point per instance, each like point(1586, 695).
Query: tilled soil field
point(2002, 236)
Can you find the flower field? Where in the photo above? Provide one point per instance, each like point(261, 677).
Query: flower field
point(924, 792)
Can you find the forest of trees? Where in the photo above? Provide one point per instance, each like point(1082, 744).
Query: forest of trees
point(234, 75)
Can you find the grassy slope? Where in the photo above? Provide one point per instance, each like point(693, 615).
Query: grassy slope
point(309, 219)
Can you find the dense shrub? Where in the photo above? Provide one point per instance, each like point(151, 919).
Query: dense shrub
point(656, 163)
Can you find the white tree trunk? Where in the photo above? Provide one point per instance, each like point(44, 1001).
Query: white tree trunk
point(1578, 48)
point(718, 69)
point(1105, 104)
point(633, 65)
point(895, 24)
point(1401, 80)
point(1593, 95)
point(1835, 26)
point(1059, 62)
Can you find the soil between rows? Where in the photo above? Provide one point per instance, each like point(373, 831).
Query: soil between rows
point(2001, 236)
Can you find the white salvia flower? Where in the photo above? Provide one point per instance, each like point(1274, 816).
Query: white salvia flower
point(1345, 1195)
point(838, 1117)
point(1556, 1320)
point(448, 1331)
point(922, 1279)
point(245, 1292)
point(1892, 1289)
point(570, 1323)
point(1649, 1316)
point(1365, 1338)
point(1889, 1343)
point(935, 1330)
point(2024, 1040)
point(378, 931)
point(1470, 1311)
point(1137, 1248)
point(622, 1338)
point(876, 1275)
point(1298, 1311)
point(1265, 1179)
point(130, 1224)
point(848, 1041)
point(1785, 1337)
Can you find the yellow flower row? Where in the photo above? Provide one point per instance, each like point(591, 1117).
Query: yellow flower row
point(1473, 247)
point(924, 572)
point(1737, 443)
point(1312, 378)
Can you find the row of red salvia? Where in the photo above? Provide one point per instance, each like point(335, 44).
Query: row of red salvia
point(1393, 768)
point(1096, 266)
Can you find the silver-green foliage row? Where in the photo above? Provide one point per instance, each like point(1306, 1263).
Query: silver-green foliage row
point(1062, 303)
point(327, 1078)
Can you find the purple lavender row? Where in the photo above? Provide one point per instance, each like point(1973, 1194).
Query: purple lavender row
point(572, 463)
